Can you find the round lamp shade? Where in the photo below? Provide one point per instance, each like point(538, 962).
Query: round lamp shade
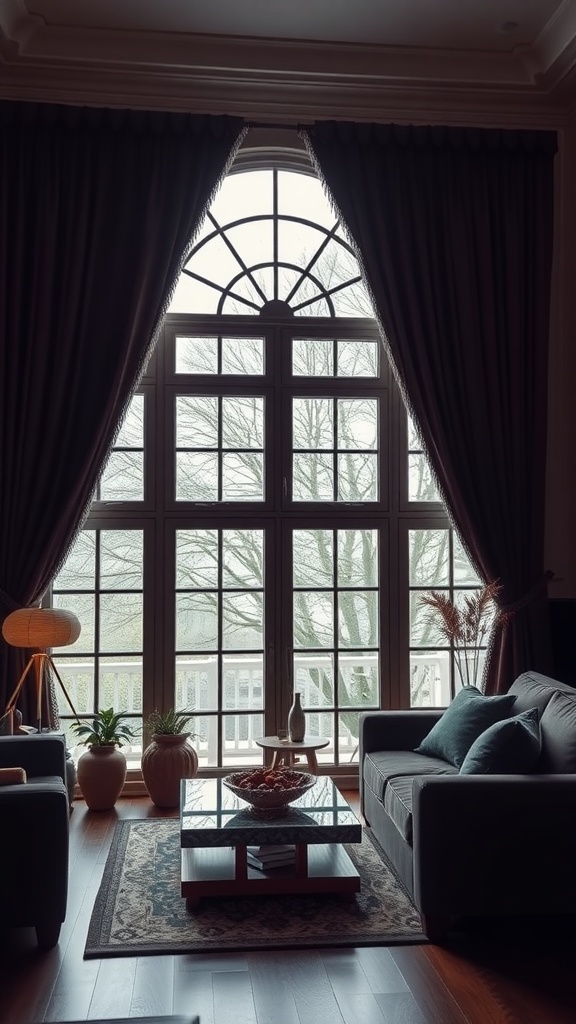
point(41, 627)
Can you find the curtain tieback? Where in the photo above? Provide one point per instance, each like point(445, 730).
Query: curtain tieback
point(529, 596)
point(9, 601)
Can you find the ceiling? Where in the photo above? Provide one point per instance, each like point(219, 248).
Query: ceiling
point(288, 59)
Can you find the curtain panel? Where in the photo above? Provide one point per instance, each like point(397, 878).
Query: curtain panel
point(98, 208)
point(453, 228)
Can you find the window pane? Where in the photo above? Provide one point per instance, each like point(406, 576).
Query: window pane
point(312, 357)
point(353, 301)
point(429, 679)
point(424, 624)
point(243, 194)
point(196, 476)
point(313, 619)
point(358, 358)
point(358, 618)
point(348, 732)
point(196, 622)
point(313, 478)
point(196, 422)
point(243, 422)
point(197, 559)
point(243, 477)
point(253, 243)
point(357, 423)
point(243, 682)
point(240, 733)
point(314, 679)
point(197, 682)
point(121, 625)
point(302, 195)
point(299, 243)
point(121, 684)
point(78, 676)
point(421, 483)
point(121, 559)
point(122, 478)
point(243, 356)
point(358, 681)
point(316, 307)
point(192, 296)
point(196, 355)
point(214, 261)
point(313, 558)
point(313, 423)
point(463, 571)
point(79, 569)
point(429, 558)
point(414, 443)
point(242, 621)
point(357, 477)
point(243, 558)
point(357, 558)
point(83, 606)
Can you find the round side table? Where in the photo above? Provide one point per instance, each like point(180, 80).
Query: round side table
point(284, 751)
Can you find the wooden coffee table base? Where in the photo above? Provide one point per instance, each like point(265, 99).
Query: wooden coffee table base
point(224, 871)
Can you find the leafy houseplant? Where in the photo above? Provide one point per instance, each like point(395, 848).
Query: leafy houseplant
point(169, 757)
point(105, 729)
point(169, 723)
point(102, 768)
point(466, 626)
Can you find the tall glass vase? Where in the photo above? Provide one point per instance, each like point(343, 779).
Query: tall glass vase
point(296, 721)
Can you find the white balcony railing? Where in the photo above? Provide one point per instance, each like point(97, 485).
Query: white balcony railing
point(197, 687)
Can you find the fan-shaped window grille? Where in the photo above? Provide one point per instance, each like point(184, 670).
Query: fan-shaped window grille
point(272, 245)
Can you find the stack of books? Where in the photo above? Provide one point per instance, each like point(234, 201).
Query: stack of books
point(266, 857)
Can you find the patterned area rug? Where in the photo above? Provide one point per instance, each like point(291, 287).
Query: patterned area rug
point(139, 910)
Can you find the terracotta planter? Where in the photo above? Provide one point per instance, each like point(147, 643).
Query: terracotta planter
point(167, 760)
point(101, 775)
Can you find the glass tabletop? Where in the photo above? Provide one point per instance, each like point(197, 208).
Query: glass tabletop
point(213, 816)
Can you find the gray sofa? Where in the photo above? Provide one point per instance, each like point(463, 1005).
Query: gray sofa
point(34, 836)
point(476, 845)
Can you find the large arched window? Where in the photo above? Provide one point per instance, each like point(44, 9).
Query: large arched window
point(267, 520)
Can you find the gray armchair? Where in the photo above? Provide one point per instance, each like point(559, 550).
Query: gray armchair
point(34, 836)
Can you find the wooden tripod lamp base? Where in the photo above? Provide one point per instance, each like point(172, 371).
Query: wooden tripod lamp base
point(40, 628)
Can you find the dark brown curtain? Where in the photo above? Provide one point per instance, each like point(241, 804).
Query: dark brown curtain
point(454, 231)
point(97, 211)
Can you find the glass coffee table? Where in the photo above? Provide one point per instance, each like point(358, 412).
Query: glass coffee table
point(216, 828)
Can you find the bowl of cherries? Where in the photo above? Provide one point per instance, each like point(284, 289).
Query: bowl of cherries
point(268, 788)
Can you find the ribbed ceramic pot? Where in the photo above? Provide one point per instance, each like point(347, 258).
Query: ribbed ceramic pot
point(101, 775)
point(167, 760)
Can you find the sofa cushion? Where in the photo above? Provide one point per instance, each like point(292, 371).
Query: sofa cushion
point(469, 714)
point(398, 804)
point(534, 690)
point(12, 776)
point(381, 766)
point(507, 747)
point(558, 725)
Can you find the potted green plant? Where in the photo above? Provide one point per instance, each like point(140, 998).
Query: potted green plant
point(169, 757)
point(102, 768)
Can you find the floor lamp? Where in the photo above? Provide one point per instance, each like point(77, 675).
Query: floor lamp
point(40, 628)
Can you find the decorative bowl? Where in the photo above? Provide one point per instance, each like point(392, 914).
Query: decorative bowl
point(264, 796)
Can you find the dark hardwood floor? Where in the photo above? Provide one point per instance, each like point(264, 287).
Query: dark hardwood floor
point(497, 975)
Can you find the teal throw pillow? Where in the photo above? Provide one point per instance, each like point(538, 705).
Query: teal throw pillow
point(511, 746)
point(469, 714)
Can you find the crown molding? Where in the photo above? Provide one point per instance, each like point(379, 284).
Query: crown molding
point(273, 78)
point(262, 97)
point(557, 36)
